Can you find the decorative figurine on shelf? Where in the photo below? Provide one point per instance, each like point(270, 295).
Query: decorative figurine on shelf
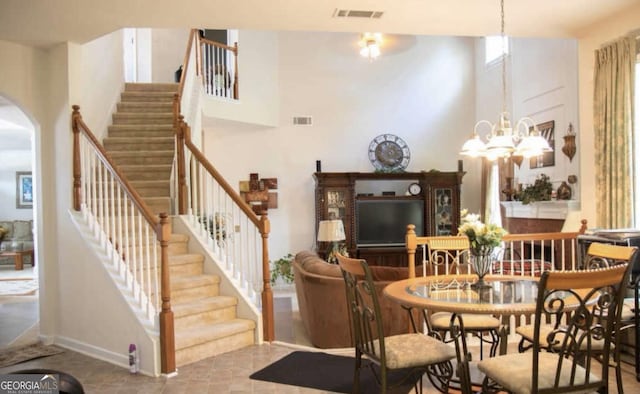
point(564, 191)
point(508, 189)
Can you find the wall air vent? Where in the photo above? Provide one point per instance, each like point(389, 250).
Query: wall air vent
point(357, 14)
point(303, 120)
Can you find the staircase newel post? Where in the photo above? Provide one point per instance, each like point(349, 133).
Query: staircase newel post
point(77, 170)
point(235, 78)
point(167, 332)
point(182, 181)
point(267, 293)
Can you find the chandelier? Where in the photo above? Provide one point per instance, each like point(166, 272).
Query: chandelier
point(370, 45)
point(502, 140)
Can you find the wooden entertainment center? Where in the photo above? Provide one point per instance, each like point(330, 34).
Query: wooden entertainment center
point(339, 195)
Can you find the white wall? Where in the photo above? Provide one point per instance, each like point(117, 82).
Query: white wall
point(44, 83)
point(425, 95)
point(168, 47)
point(101, 81)
point(545, 87)
point(597, 35)
point(258, 74)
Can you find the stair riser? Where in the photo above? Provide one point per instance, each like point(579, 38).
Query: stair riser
point(213, 348)
point(141, 128)
point(194, 293)
point(177, 248)
point(205, 318)
point(141, 134)
point(151, 87)
point(135, 145)
point(153, 191)
point(157, 98)
point(139, 175)
point(141, 107)
point(137, 159)
point(163, 119)
point(189, 269)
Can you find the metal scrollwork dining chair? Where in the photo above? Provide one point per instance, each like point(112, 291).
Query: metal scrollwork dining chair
point(450, 255)
point(573, 362)
point(413, 353)
point(598, 255)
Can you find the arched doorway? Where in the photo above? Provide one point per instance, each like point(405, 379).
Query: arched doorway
point(19, 310)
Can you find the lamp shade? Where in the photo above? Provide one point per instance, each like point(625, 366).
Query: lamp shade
point(330, 231)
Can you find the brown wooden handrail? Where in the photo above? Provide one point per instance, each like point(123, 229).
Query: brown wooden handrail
point(233, 49)
point(79, 126)
point(161, 226)
point(220, 179)
point(183, 138)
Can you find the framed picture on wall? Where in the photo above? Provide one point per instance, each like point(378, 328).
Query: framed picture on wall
point(24, 190)
point(547, 159)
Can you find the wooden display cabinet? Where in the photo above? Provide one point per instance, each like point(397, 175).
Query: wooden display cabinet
point(337, 193)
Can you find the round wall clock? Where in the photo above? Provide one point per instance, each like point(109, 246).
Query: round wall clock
point(388, 152)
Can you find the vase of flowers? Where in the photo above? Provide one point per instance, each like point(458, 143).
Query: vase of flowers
point(484, 239)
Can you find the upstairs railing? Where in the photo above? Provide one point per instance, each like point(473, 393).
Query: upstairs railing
point(235, 234)
point(131, 236)
point(218, 65)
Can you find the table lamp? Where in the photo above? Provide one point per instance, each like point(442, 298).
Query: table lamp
point(331, 231)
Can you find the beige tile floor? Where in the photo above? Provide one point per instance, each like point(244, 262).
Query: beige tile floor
point(227, 373)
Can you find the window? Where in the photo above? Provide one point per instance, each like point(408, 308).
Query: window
point(494, 47)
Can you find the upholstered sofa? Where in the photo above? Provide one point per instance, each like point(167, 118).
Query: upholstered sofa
point(18, 236)
point(323, 306)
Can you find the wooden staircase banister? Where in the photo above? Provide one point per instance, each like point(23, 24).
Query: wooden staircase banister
point(220, 179)
point(183, 139)
point(79, 126)
point(160, 225)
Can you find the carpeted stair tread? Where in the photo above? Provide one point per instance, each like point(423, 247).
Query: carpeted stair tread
point(133, 96)
point(141, 127)
point(139, 140)
point(192, 281)
point(143, 106)
point(207, 333)
point(202, 305)
point(185, 258)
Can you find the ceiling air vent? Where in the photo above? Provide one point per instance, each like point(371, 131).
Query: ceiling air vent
point(302, 120)
point(357, 14)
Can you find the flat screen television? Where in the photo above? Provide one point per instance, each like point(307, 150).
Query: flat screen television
point(384, 222)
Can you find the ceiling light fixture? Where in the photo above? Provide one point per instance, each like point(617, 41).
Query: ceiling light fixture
point(502, 140)
point(370, 45)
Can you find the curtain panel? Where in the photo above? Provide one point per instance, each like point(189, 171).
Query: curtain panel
point(613, 132)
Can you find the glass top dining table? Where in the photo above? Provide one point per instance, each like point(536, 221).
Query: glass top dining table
point(503, 295)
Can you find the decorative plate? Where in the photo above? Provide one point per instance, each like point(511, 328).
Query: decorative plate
point(389, 153)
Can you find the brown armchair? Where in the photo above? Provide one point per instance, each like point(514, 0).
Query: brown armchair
point(322, 302)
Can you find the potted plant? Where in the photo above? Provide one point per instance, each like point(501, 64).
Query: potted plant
point(539, 191)
point(282, 268)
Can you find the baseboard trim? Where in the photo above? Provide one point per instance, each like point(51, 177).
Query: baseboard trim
point(97, 353)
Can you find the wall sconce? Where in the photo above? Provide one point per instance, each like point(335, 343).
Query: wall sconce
point(331, 231)
point(569, 148)
point(370, 45)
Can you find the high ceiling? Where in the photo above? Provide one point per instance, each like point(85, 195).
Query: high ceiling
point(45, 22)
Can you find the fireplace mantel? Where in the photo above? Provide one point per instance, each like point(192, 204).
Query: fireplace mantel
point(536, 217)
